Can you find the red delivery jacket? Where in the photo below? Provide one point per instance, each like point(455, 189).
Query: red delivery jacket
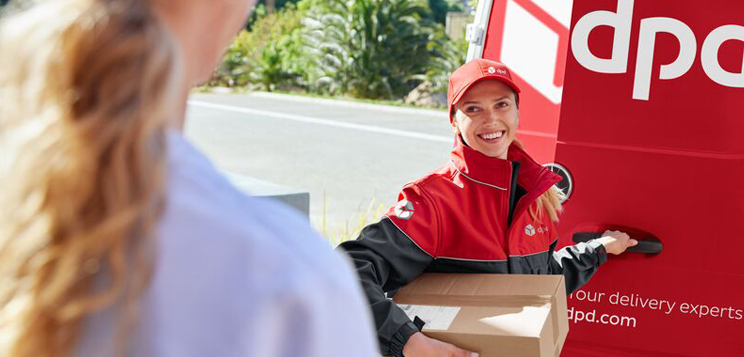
point(469, 216)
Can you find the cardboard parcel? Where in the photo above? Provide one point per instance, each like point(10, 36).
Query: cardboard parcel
point(497, 315)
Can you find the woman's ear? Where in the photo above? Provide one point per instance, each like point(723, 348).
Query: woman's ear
point(455, 127)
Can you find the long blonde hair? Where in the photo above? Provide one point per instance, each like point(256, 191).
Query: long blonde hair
point(549, 202)
point(85, 89)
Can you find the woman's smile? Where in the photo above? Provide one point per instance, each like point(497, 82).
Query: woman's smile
point(492, 137)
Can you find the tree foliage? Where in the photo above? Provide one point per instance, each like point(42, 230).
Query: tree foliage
point(268, 56)
point(440, 8)
point(378, 49)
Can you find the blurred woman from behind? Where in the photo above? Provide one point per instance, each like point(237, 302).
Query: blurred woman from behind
point(117, 236)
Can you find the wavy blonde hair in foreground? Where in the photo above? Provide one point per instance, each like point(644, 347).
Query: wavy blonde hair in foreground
point(85, 86)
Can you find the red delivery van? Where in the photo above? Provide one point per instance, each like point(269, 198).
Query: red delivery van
point(639, 104)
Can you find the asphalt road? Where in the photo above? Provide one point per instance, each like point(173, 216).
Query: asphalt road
point(347, 155)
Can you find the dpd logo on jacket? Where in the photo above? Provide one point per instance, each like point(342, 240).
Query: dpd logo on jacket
point(530, 230)
point(404, 210)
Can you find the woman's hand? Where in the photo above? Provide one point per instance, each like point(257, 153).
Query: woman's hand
point(616, 242)
point(421, 346)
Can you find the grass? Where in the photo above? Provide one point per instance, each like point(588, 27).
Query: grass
point(354, 225)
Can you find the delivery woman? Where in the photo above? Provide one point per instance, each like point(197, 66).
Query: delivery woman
point(490, 209)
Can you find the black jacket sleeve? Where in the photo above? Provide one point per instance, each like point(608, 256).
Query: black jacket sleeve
point(386, 259)
point(577, 263)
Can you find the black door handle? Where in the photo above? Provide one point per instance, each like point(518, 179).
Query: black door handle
point(649, 245)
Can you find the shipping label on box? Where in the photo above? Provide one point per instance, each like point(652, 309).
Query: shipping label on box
point(434, 317)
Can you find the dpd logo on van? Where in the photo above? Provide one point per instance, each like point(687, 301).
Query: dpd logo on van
point(621, 22)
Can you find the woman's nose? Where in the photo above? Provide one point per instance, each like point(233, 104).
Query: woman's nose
point(492, 117)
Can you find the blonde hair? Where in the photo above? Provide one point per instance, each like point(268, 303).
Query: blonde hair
point(85, 87)
point(549, 202)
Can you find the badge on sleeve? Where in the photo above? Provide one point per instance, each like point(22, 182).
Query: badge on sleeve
point(404, 209)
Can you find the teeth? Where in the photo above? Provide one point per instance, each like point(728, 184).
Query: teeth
point(491, 136)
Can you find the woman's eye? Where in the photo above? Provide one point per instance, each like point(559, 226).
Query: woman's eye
point(471, 109)
point(502, 105)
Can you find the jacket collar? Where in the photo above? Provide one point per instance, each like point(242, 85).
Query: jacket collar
point(497, 172)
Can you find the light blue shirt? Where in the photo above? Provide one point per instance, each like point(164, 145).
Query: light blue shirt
point(238, 276)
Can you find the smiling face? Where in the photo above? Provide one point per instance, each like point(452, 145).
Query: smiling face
point(487, 118)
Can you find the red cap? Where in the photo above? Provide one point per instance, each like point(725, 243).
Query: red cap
point(473, 72)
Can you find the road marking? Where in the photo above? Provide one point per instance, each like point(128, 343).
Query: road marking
point(334, 123)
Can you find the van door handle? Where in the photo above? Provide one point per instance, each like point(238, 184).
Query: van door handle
point(649, 245)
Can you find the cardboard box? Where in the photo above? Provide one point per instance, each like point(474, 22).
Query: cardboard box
point(496, 315)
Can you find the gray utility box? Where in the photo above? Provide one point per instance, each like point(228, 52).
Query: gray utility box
point(298, 199)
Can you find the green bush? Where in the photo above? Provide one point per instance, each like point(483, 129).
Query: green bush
point(268, 56)
point(374, 49)
point(260, 11)
point(378, 49)
point(448, 56)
